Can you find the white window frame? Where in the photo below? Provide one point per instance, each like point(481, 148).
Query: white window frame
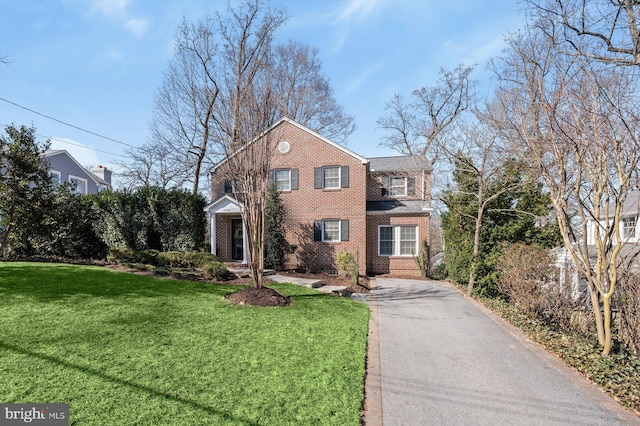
point(324, 180)
point(628, 231)
point(324, 224)
point(80, 189)
point(288, 180)
point(58, 174)
point(391, 191)
point(396, 240)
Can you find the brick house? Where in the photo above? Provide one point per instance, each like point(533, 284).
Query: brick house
point(335, 200)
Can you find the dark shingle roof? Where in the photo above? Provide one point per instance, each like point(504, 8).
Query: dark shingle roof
point(398, 207)
point(398, 163)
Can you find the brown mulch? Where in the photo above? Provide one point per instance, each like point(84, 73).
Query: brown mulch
point(263, 296)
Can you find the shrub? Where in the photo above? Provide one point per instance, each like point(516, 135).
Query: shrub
point(124, 256)
point(215, 270)
point(526, 280)
point(276, 246)
point(197, 259)
point(628, 302)
point(150, 218)
point(348, 264)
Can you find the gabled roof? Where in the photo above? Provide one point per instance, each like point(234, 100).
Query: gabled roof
point(398, 163)
point(301, 127)
point(96, 179)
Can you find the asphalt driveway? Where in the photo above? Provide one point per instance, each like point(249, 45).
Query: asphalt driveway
point(445, 360)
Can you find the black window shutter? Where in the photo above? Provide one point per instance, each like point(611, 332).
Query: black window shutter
point(385, 192)
point(294, 178)
point(317, 230)
point(227, 187)
point(344, 176)
point(317, 177)
point(411, 186)
point(344, 230)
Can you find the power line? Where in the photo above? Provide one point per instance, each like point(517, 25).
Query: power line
point(80, 145)
point(76, 144)
point(68, 124)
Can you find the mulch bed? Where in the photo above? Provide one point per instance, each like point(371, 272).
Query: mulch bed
point(263, 296)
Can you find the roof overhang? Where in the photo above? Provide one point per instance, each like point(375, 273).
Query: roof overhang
point(223, 205)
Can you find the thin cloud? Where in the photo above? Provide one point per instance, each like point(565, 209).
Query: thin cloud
point(362, 78)
point(137, 27)
point(355, 10)
point(111, 8)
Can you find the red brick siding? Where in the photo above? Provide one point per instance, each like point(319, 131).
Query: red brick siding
point(306, 205)
point(404, 265)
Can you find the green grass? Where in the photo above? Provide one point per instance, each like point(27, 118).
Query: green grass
point(129, 349)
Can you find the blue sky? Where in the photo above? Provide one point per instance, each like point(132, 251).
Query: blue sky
point(97, 64)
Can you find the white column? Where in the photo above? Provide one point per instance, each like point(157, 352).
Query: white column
point(213, 233)
point(245, 257)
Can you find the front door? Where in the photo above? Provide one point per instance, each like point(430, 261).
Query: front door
point(237, 240)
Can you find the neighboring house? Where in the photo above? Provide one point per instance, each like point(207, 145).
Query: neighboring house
point(628, 257)
point(65, 168)
point(335, 200)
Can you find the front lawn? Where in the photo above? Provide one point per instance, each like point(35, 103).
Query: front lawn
point(130, 349)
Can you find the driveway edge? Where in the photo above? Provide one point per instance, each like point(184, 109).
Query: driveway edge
point(372, 382)
point(557, 363)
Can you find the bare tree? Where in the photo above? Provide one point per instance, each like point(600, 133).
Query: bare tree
point(577, 123)
point(183, 113)
point(606, 31)
point(479, 154)
point(243, 113)
point(413, 125)
point(154, 164)
point(304, 94)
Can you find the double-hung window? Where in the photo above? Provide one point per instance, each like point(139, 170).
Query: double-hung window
point(80, 185)
point(629, 227)
point(331, 230)
point(56, 177)
point(282, 179)
point(331, 177)
point(397, 186)
point(398, 240)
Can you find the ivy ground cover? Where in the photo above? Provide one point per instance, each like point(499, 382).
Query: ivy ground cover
point(129, 349)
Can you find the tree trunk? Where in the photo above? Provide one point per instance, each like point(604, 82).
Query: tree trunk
point(597, 313)
point(606, 301)
point(476, 250)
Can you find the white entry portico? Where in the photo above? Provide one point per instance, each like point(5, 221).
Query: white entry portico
point(227, 209)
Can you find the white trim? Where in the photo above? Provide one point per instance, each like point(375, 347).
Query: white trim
point(212, 234)
point(324, 185)
point(57, 173)
point(396, 241)
point(339, 230)
point(82, 180)
point(389, 186)
point(275, 179)
point(224, 204)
